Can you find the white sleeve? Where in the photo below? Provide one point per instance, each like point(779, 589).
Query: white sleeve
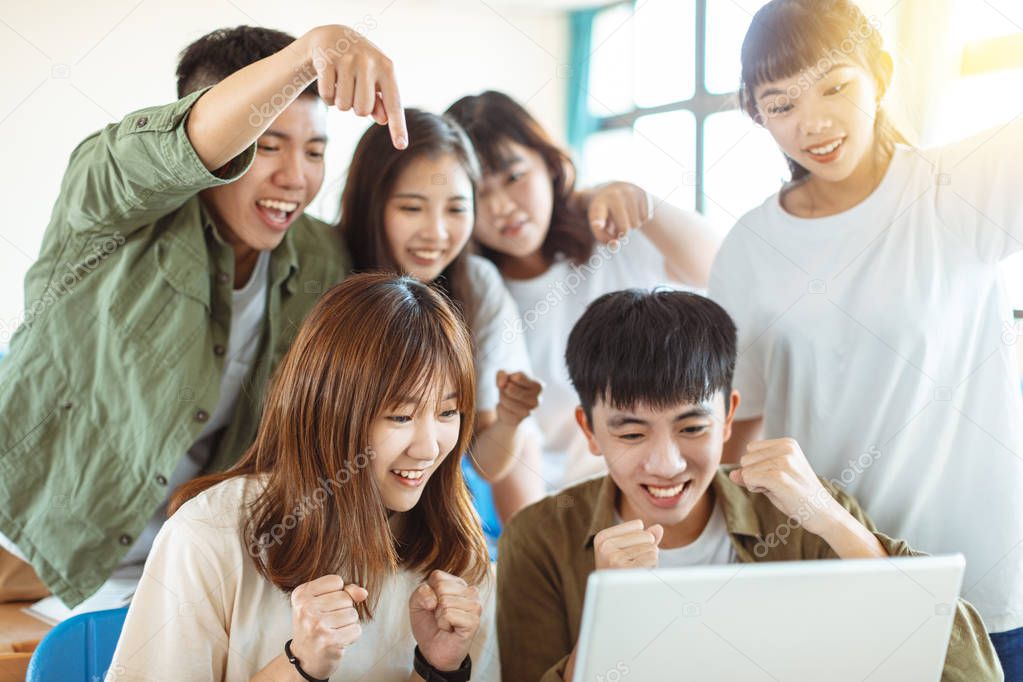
point(486, 659)
point(729, 290)
point(176, 624)
point(977, 193)
point(494, 329)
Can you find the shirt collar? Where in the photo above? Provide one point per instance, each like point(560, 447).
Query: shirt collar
point(740, 514)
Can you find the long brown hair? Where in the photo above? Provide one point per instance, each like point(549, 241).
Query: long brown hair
point(787, 37)
point(375, 168)
point(492, 119)
point(367, 344)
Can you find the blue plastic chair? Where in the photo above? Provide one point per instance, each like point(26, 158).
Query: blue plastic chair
point(79, 649)
point(483, 500)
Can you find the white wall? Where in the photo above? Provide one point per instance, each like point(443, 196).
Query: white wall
point(70, 68)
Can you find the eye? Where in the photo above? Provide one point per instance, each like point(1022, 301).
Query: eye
point(448, 414)
point(778, 111)
point(836, 89)
point(694, 430)
point(515, 176)
point(631, 436)
point(410, 209)
point(267, 148)
point(459, 209)
point(315, 155)
point(400, 419)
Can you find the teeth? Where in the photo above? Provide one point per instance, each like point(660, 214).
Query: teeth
point(412, 474)
point(666, 492)
point(286, 206)
point(821, 151)
point(427, 255)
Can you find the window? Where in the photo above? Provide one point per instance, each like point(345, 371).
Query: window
point(662, 86)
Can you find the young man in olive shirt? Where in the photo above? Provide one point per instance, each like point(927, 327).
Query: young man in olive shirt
point(653, 372)
point(176, 268)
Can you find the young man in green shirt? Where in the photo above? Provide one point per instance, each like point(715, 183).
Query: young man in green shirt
point(176, 268)
point(653, 371)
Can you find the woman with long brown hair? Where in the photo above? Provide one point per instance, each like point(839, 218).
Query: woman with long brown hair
point(345, 540)
point(412, 212)
point(559, 248)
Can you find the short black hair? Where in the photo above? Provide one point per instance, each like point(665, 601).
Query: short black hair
point(656, 348)
point(219, 53)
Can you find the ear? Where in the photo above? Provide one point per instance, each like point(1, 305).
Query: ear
point(885, 68)
point(584, 424)
point(733, 404)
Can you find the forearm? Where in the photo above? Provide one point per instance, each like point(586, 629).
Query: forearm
point(850, 539)
point(232, 114)
point(524, 484)
point(687, 240)
point(278, 670)
point(497, 445)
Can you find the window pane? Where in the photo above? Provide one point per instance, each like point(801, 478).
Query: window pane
point(743, 166)
point(658, 154)
point(611, 62)
point(727, 23)
point(665, 33)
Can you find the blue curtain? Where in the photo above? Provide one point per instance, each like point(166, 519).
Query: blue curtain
point(580, 122)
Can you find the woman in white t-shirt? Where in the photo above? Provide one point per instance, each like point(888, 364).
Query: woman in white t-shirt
point(559, 249)
point(872, 325)
point(412, 211)
point(343, 545)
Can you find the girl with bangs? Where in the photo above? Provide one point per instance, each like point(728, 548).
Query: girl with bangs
point(872, 324)
point(344, 544)
point(412, 212)
point(559, 249)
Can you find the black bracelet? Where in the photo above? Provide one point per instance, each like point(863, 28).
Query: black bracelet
point(431, 674)
point(294, 662)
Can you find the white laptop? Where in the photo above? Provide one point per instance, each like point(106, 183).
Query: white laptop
point(869, 619)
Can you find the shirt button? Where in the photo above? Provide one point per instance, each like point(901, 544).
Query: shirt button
point(218, 349)
point(161, 480)
point(222, 277)
point(142, 122)
point(124, 540)
point(201, 416)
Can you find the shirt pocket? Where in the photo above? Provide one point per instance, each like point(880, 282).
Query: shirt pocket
point(161, 309)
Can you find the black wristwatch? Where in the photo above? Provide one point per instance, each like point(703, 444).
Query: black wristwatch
point(298, 667)
point(431, 674)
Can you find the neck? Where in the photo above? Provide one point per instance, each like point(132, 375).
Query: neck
point(244, 263)
point(523, 267)
point(686, 531)
point(822, 198)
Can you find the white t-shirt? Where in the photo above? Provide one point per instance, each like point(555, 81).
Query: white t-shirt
point(494, 312)
point(549, 306)
point(880, 339)
point(248, 309)
point(203, 612)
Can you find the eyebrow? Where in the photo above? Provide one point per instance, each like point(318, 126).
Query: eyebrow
point(626, 419)
point(409, 400)
point(777, 91)
point(284, 136)
point(507, 161)
point(423, 197)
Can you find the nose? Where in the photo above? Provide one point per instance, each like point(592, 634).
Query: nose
point(498, 204)
point(815, 123)
point(289, 174)
point(424, 446)
point(665, 458)
point(435, 229)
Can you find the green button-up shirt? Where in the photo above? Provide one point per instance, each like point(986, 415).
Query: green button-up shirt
point(545, 556)
point(117, 365)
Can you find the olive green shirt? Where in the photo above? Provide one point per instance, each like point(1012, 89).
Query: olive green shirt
point(545, 556)
point(118, 363)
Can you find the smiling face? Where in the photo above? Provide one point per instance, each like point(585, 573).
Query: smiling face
point(409, 442)
point(825, 123)
point(516, 203)
point(255, 211)
point(662, 460)
point(428, 217)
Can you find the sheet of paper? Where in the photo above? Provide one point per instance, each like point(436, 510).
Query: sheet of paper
point(113, 594)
